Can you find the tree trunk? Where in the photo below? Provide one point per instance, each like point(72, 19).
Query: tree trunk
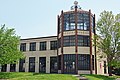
point(110, 71)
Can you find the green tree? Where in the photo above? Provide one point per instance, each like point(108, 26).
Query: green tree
point(9, 42)
point(108, 38)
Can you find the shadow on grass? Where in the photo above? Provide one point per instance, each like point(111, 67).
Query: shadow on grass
point(102, 77)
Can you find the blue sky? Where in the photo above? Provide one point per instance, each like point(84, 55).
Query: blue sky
point(38, 18)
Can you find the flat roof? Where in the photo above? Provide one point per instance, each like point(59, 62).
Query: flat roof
point(38, 37)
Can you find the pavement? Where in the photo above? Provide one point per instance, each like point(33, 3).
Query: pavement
point(118, 79)
point(80, 77)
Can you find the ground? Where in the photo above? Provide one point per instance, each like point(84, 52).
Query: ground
point(39, 76)
point(35, 76)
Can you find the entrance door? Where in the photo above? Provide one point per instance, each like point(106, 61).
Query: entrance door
point(53, 65)
point(42, 64)
point(69, 63)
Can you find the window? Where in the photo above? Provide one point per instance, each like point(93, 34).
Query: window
point(92, 23)
point(42, 46)
point(83, 40)
point(22, 65)
point(42, 64)
point(53, 45)
point(69, 21)
point(83, 62)
point(23, 47)
point(4, 68)
point(53, 65)
point(85, 26)
point(12, 67)
point(80, 26)
point(83, 21)
point(69, 63)
point(33, 46)
point(31, 64)
point(72, 26)
point(80, 40)
point(70, 40)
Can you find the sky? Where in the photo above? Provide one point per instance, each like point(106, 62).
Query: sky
point(38, 18)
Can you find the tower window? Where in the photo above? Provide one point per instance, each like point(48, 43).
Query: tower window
point(70, 40)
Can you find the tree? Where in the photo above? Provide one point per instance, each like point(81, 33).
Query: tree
point(108, 27)
point(9, 42)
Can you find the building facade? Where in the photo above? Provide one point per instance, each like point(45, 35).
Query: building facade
point(70, 52)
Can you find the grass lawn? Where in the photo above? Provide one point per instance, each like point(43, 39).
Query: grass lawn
point(99, 77)
point(35, 76)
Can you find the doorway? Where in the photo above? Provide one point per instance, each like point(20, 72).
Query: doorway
point(53, 65)
point(42, 64)
point(69, 64)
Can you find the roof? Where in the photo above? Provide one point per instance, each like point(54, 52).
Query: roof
point(38, 37)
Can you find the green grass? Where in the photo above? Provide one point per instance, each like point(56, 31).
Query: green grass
point(99, 77)
point(38, 76)
point(35, 76)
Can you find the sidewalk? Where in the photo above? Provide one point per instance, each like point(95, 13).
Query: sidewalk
point(80, 77)
point(118, 79)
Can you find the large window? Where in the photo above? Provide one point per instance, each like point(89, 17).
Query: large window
point(53, 45)
point(42, 46)
point(23, 47)
point(83, 21)
point(69, 21)
point(70, 40)
point(33, 46)
point(69, 63)
point(83, 41)
point(84, 62)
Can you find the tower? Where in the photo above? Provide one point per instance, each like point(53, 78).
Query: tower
point(76, 28)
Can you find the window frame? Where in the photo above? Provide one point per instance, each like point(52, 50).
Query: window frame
point(43, 46)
